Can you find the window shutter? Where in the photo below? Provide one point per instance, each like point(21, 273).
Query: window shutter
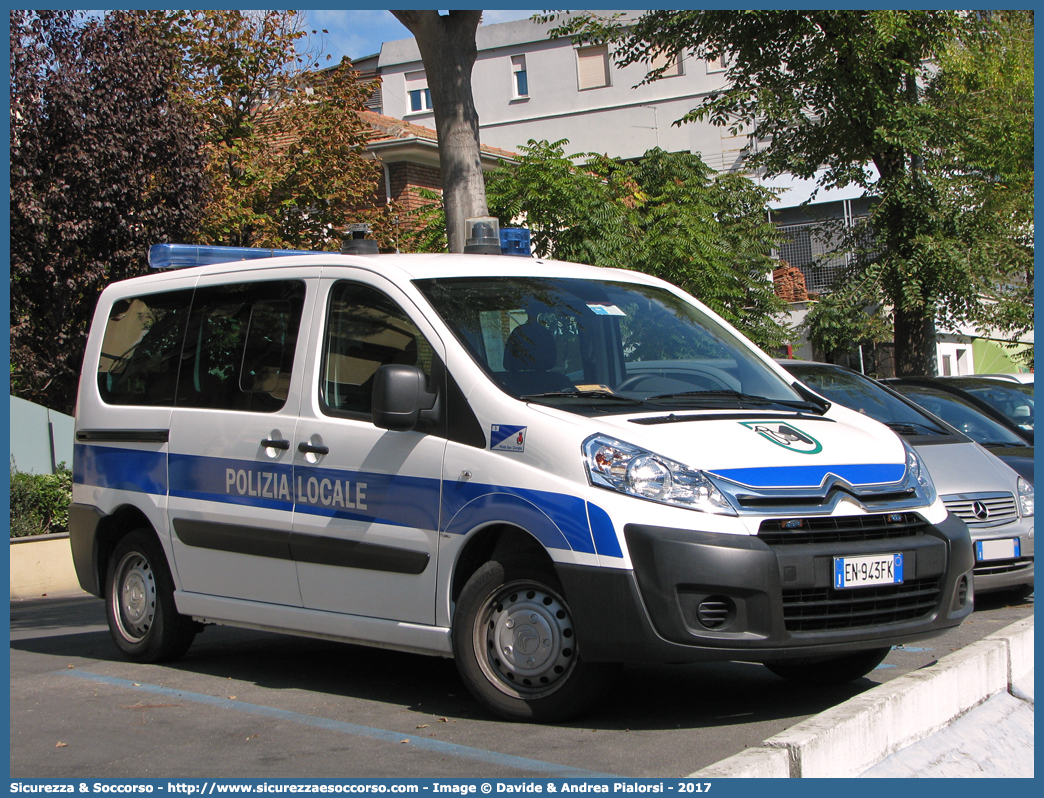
point(592, 67)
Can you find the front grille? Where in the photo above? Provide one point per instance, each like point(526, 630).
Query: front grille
point(1002, 567)
point(983, 509)
point(814, 501)
point(815, 609)
point(841, 529)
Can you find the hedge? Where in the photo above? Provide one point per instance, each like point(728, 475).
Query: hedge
point(40, 502)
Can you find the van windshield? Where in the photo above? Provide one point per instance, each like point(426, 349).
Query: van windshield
point(596, 346)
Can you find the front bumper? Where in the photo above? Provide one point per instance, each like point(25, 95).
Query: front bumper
point(696, 596)
point(1008, 573)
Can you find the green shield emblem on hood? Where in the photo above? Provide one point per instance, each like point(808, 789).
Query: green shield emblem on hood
point(786, 436)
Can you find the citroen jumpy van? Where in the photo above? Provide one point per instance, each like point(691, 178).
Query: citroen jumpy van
point(538, 468)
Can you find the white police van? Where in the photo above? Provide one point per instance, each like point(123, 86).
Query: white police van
point(538, 468)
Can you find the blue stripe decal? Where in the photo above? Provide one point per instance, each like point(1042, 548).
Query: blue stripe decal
point(369, 497)
point(567, 515)
point(242, 482)
point(494, 508)
point(366, 497)
point(137, 470)
point(546, 769)
point(606, 541)
point(559, 521)
point(812, 476)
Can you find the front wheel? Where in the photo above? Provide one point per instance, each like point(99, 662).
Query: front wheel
point(139, 602)
point(515, 645)
point(829, 670)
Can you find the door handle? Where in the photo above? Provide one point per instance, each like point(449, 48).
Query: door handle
point(307, 448)
point(269, 444)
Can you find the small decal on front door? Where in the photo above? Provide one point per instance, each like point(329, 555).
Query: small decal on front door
point(506, 438)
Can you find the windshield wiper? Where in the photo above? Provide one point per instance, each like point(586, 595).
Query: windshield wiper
point(716, 397)
point(578, 394)
point(910, 428)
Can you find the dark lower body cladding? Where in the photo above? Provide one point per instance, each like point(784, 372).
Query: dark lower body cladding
point(696, 596)
point(83, 538)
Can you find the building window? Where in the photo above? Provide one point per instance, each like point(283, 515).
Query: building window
point(716, 64)
point(671, 61)
point(520, 79)
point(592, 67)
point(418, 92)
point(420, 100)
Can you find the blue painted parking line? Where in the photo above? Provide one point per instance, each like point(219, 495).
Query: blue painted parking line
point(383, 735)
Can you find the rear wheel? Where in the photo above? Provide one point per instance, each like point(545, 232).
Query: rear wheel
point(829, 670)
point(139, 602)
point(515, 646)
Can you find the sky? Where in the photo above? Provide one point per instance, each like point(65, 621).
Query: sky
point(356, 33)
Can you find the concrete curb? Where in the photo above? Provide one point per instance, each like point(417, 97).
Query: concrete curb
point(42, 566)
point(848, 739)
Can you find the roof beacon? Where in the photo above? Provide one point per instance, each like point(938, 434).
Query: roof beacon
point(483, 236)
point(183, 256)
point(515, 241)
point(358, 243)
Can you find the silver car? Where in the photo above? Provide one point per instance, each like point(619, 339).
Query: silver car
point(994, 501)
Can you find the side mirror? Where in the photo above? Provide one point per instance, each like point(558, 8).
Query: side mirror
point(401, 398)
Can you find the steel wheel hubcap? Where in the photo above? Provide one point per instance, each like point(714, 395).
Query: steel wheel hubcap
point(527, 636)
point(134, 597)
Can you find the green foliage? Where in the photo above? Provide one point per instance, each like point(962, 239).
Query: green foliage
point(105, 161)
point(420, 229)
point(286, 165)
point(666, 214)
point(838, 322)
point(40, 502)
point(939, 102)
point(983, 102)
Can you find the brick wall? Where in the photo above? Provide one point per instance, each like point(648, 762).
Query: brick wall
point(405, 177)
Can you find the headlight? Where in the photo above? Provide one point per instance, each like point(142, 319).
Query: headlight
point(1025, 498)
point(915, 469)
point(627, 469)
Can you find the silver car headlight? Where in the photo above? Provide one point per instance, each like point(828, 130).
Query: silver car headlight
point(624, 468)
point(1025, 498)
point(919, 476)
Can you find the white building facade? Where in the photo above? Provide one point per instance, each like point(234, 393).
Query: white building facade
point(527, 86)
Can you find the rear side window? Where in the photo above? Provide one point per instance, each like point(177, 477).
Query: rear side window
point(141, 349)
point(229, 347)
point(239, 350)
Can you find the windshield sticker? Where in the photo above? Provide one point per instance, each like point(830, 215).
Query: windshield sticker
point(505, 438)
point(605, 309)
point(786, 436)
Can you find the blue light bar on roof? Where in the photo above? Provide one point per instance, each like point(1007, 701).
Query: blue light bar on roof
point(182, 256)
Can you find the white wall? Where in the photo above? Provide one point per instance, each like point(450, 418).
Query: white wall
point(40, 438)
point(618, 120)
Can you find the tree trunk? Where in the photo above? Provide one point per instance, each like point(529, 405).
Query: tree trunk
point(914, 338)
point(448, 50)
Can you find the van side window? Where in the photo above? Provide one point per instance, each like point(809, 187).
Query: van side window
point(141, 349)
point(364, 330)
point(239, 350)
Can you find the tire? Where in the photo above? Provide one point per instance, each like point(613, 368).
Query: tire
point(139, 602)
point(831, 670)
point(515, 648)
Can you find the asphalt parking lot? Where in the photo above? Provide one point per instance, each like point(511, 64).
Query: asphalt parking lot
point(252, 704)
